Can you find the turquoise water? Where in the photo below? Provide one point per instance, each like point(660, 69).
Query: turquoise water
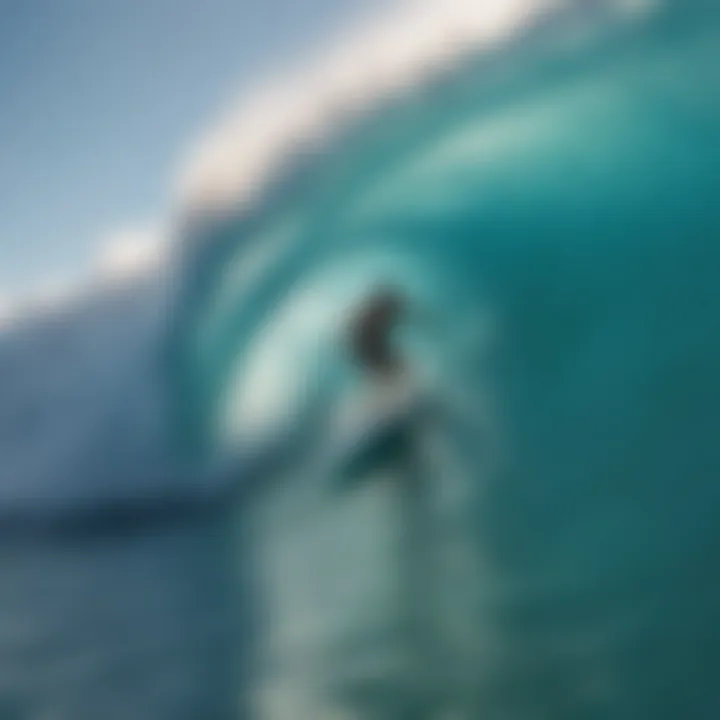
point(559, 238)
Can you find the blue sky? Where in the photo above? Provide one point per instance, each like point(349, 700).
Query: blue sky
point(100, 99)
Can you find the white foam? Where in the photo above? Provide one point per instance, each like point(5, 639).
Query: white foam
point(234, 162)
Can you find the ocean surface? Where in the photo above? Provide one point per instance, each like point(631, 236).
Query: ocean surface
point(130, 624)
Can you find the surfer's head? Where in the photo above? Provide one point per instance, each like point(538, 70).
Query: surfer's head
point(370, 332)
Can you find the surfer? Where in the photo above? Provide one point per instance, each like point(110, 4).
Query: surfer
point(392, 444)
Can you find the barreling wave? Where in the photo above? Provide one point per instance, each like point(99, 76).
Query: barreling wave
point(99, 408)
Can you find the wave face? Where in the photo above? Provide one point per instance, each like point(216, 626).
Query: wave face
point(560, 234)
point(81, 411)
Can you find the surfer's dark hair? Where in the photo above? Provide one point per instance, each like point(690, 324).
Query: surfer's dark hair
point(370, 330)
